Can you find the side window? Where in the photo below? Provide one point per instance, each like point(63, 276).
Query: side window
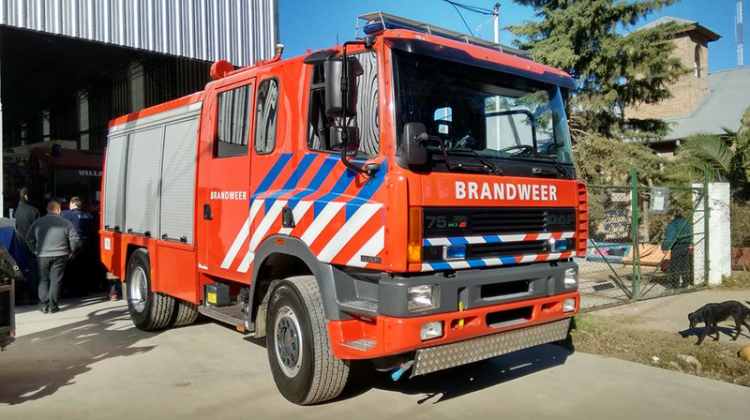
point(367, 118)
point(266, 115)
point(233, 124)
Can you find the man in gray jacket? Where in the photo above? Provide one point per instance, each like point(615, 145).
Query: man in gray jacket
point(53, 240)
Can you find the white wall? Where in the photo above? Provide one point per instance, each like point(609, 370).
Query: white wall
point(719, 237)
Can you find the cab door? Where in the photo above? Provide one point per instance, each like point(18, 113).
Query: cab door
point(224, 196)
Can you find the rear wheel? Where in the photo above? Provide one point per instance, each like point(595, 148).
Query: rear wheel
point(185, 314)
point(148, 310)
point(299, 351)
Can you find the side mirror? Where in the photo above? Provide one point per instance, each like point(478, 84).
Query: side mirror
point(415, 151)
point(339, 142)
point(336, 91)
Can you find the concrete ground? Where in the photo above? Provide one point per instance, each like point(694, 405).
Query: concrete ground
point(89, 362)
point(670, 313)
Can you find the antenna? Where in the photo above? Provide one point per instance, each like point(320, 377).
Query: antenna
point(739, 36)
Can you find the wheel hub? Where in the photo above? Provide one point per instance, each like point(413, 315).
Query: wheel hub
point(288, 342)
point(138, 289)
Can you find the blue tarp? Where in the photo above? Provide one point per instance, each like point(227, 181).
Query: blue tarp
point(16, 248)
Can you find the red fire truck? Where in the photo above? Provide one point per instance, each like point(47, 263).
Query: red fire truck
point(408, 198)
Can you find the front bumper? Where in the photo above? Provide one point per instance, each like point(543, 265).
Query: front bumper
point(438, 358)
point(372, 337)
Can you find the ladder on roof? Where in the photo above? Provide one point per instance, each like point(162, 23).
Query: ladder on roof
point(378, 21)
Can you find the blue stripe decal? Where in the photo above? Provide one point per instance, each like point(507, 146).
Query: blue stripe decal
point(492, 239)
point(508, 260)
point(272, 174)
point(476, 263)
point(341, 185)
point(365, 194)
point(426, 242)
point(440, 266)
point(292, 182)
point(323, 172)
point(458, 241)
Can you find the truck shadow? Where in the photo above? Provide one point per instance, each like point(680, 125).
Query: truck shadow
point(459, 381)
point(39, 364)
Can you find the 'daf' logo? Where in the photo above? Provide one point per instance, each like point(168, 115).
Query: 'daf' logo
point(561, 219)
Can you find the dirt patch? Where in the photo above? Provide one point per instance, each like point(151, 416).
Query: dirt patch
point(739, 279)
point(612, 337)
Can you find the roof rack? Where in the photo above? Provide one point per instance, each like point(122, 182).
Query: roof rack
point(379, 21)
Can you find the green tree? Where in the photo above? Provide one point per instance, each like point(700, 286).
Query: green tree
point(725, 158)
point(613, 70)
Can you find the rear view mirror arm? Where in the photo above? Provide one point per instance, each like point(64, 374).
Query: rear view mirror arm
point(368, 43)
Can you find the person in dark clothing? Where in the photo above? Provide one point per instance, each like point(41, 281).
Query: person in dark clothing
point(80, 276)
point(678, 238)
point(25, 215)
point(53, 240)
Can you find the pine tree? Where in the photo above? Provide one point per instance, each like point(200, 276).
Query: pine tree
point(614, 65)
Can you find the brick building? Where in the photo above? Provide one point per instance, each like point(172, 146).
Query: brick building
point(701, 102)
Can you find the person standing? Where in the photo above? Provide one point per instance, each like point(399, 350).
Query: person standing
point(53, 240)
point(25, 215)
point(678, 239)
point(80, 273)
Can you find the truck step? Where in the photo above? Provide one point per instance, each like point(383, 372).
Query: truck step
point(232, 315)
point(362, 344)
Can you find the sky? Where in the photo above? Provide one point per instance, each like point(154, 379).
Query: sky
point(315, 24)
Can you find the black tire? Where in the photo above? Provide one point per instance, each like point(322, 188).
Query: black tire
point(185, 314)
point(319, 375)
point(149, 311)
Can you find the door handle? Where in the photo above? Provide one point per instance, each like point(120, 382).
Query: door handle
point(207, 212)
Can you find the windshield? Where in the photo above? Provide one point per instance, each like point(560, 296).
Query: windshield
point(499, 116)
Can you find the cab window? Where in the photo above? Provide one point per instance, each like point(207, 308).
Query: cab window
point(233, 122)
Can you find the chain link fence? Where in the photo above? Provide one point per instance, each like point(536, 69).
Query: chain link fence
point(644, 242)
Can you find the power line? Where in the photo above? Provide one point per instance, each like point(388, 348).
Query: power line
point(475, 9)
point(461, 16)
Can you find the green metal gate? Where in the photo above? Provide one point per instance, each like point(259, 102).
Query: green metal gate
point(644, 242)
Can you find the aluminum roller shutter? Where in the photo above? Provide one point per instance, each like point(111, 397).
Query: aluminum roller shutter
point(178, 180)
point(142, 187)
point(114, 187)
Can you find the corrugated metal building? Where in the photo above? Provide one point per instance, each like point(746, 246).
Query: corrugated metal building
point(68, 66)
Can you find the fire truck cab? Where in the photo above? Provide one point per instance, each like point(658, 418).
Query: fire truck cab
point(407, 198)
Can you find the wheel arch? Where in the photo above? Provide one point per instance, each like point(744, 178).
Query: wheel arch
point(131, 249)
point(281, 257)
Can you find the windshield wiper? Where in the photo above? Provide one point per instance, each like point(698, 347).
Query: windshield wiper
point(558, 165)
point(492, 169)
point(486, 165)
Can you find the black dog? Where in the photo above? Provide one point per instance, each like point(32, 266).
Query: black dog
point(713, 313)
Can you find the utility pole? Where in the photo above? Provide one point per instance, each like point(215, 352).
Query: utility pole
point(496, 18)
point(739, 36)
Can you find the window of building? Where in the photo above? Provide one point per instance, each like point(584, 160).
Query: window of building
point(266, 114)
point(697, 61)
point(233, 124)
point(367, 118)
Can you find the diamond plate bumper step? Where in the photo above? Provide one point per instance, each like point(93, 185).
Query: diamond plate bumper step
point(438, 358)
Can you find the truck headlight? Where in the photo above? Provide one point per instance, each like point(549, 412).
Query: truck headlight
point(571, 277)
point(423, 298)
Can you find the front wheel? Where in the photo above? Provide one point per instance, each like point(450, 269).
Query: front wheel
point(299, 350)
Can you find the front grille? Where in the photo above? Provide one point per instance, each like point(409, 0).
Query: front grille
point(494, 222)
point(508, 221)
point(510, 249)
point(452, 222)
